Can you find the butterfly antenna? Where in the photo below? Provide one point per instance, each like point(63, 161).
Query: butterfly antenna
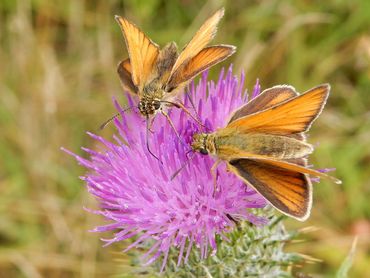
point(193, 105)
point(173, 127)
point(147, 141)
point(112, 118)
point(180, 105)
point(182, 166)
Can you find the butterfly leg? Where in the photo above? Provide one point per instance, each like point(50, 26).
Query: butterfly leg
point(214, 174)
point(147, 141)
point(182, 106)
point(191, 102)
point(151, 125)
point(172, 125)
point(183, 165)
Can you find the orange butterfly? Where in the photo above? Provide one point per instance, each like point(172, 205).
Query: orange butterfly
point(155, 75)
point(264, 145)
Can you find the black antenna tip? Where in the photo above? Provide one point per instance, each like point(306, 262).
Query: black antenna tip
point(103, 126)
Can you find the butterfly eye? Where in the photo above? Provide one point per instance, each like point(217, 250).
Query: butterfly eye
point(203, 151)
point(156, 105)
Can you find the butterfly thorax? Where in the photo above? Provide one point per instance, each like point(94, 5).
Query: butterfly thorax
point(279, 147)
point(153, 92)
point(203, 143)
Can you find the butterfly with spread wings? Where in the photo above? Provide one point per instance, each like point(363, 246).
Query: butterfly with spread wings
point(264, 145)
point(156, 75)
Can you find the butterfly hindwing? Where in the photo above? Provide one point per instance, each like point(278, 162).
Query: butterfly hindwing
point(288, 191)
point(288, 164)
point(124, 72)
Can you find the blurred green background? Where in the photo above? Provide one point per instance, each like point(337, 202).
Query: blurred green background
point(58, 74)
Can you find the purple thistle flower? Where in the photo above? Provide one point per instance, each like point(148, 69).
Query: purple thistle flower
point(136, 193)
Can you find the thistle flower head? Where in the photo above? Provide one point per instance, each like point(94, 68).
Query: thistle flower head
point(135, 191)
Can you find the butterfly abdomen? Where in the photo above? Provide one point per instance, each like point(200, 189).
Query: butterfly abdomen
point(166, 60)
point(279, 147)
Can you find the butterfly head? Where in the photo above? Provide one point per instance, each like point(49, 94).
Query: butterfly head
point(200, 143)
point(149, 107)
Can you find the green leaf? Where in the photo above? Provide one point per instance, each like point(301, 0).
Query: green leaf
point(347, 263)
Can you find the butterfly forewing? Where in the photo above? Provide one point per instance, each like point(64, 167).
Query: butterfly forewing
point(142, 51)
point(206, 58)
point(268, 98)
point(204, 35)
point(288, 191)
point(292, 116)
